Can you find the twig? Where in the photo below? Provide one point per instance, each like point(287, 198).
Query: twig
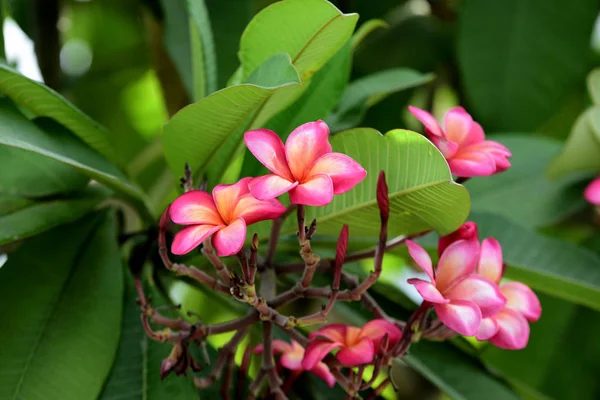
point(275, 230)
point(226, 383)
point(379, 389)
point(243, 372)
point(253, 263)
point(209, 252)
point(413, 326)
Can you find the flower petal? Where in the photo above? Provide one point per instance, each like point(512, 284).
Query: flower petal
point(316, 351)
point(447, 147)
point(292, 361)
point(513, 330)
point(469, 164)
point(268, 148)
point(227, 196)
point(344, 171)
point(377, 329)
point(467, 231)
point(461, 316)
point(322, 371)
point(490, 260)
point(333, 332)
point(475, 135)
point(479, 290)
point(305, 145)
point(230, 239)
point(488, 328)
point(592, 192)
point(195, 207)
point(457, 124)
point(431, 125)
point(318, 191)
point(428, 291)
point(253, 210)
point(521, 298)
point(362, 352)
point(270, 186)
point(457, 261)
point(279, 346)
point(189, 238)
point(421, 258)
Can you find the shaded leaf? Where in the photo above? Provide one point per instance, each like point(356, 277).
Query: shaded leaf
point(593, 85)
point(204, 59)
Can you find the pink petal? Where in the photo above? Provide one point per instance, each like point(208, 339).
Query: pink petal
point(457, 261)
point(279, 346)
point(471, 164)
point(270, 186)
point(292, 361)
point(318, 191)
point(592, 192)
point(467, 231)
point(513, 330)
point(253, 210)
point(522, 299)
point(227, 196)
point(479, 290)
point(377, 329)
point(343, 170)
point(322, 371)
point(457, 124)
point(447, 147)
point(316, 351)
point(488, 328)
point(461, 316)
point(230, 239)
point(362, 352)
point(421, 258)
point(195, 207)
point(475, 135)
point(428, 291)
point(428, 120)
point(189, 238)
point(305, 145)
point(268, 148)
point(497, 151)
point(490, 260)
point(333, 332)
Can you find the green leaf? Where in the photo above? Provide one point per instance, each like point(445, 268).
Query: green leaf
point(211, 130)
point(582, 149)
point(177, 31)
point(136, 371)
point(546, 264)
point(593, 85)
point(32, 175)
point(10, 204)
point(45, 102)
point(56, 143)
point(61, 297)
point(310, 31)
point(366, 29)
point(204, 60)
point(513, 79)
point(365, 92)
point(523, 193)
point(33, 218)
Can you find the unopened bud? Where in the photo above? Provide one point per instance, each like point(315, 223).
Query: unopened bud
point(468, 231)
point(383, 200)
point(171, 362)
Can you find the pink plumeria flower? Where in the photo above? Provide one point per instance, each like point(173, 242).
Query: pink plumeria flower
point(463, 144)
point(291, 358)
point(592, 192)
point(460, 298)
point(509, 328)
point(357, 345)
point(467, 231)
point(305, 167)
point(224, 215)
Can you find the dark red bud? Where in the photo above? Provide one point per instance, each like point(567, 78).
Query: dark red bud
point(340, 255)
point(383, 200)
point(468, 231)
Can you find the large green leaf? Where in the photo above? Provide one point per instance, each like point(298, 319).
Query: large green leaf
point(61, 297)
point(593, 85)
point(365, 92)
point(310, 31)
point(136, 371)
point(523, 193)
point(28, 174)
point(546, 264)
point(582, 149)
point(45, 102)
point(41, 216)
point(513, 77)
point(210, 130)
point(204, 59)
point(58, 144)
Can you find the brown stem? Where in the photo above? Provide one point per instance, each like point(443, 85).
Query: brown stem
point(275, 230)
point(243, 372)
point(223, 359)
point(379, 389)
point(209, 252)
point(243, 260)
point(226, 383)
point(413, 325)
point(253, 263)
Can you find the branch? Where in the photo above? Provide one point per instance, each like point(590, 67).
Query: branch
point(275, 230)
point(225, 353)
point(209, 252)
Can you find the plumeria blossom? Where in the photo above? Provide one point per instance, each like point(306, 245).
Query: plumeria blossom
point(224, 215)
point(509, 328)
point(291, 358)
point(592, 192)
point(357, 345)
point(460, 298)
point(305, 167)
point(467, 231)
point(462, 142)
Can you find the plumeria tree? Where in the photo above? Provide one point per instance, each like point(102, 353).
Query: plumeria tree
point(198, 200)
